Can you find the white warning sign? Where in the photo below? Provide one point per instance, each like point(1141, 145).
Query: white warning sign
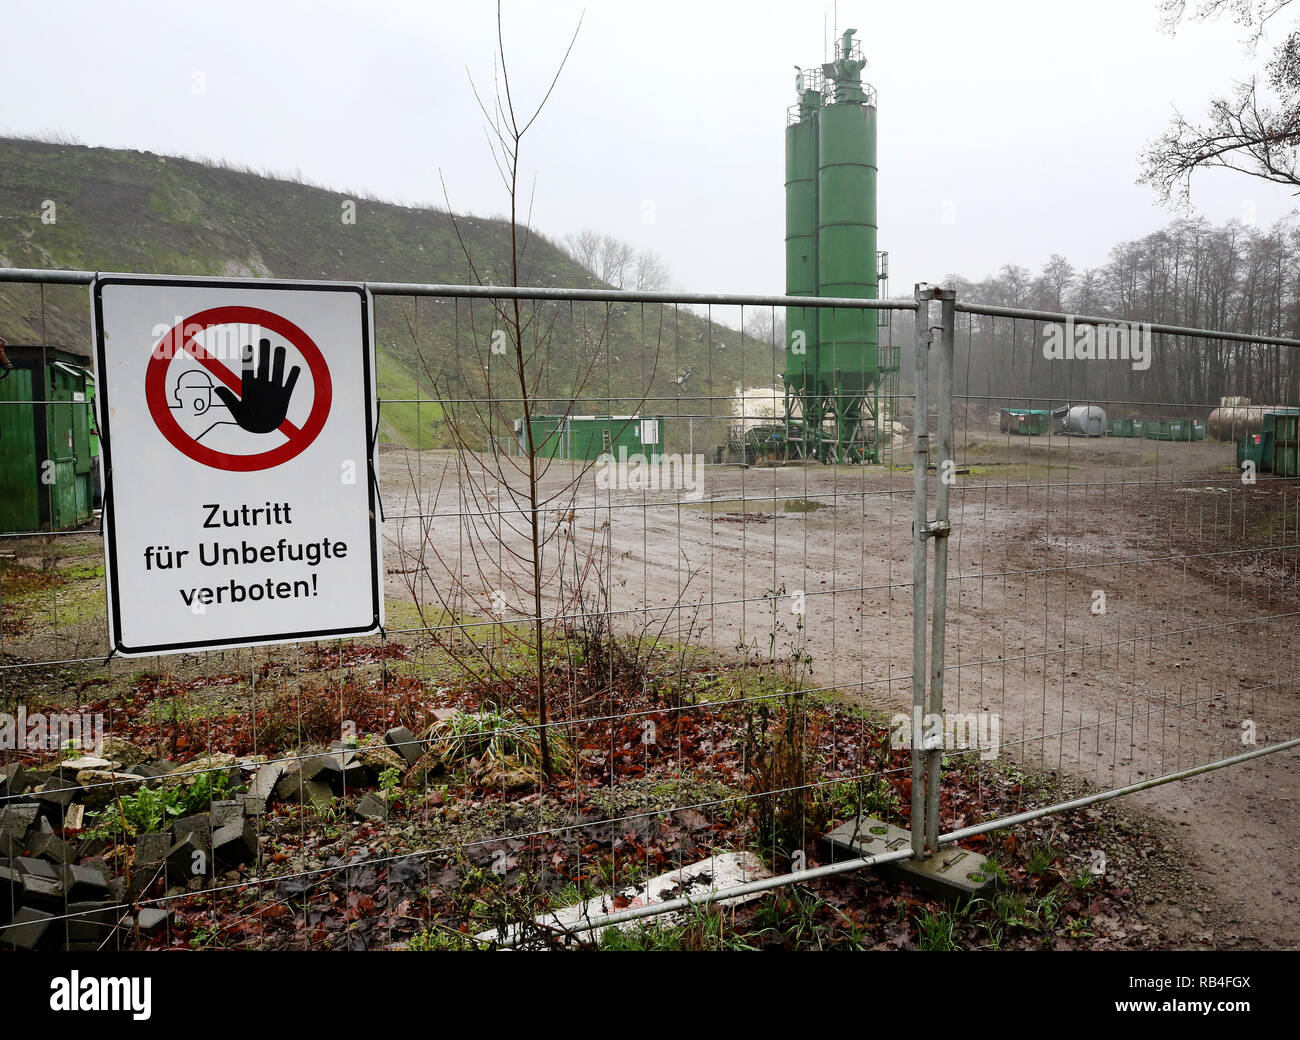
point(237, 428)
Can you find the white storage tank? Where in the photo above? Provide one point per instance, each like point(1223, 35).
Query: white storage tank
point(1085, 420)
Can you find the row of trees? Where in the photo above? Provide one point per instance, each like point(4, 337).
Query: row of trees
point(618, 263)
point(1233, 278)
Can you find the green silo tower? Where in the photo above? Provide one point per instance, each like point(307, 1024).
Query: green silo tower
point(836, 386)
point(801, 161)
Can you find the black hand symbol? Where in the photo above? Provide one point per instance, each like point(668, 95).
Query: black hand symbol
point(265, 400)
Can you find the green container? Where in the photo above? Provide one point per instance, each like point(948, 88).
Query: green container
point(1284, 426)
point(1168, 430)
point(1026, 422)
point(588, 437)
point(20, 503)
point(1198, 432)
point(1286, 443)
point(46, 461)
point(1122, 428)
point(1286, 460)
point(1256, 448)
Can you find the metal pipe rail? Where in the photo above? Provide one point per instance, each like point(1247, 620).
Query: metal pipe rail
point(502, 292)
point(1091, 319)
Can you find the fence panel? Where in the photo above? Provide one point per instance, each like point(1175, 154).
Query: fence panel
point(700, 602)
point(1123, 590)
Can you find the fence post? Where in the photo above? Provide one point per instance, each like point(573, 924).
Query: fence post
point(939, 530)
point(920, 526)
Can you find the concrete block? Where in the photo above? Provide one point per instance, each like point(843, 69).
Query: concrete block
point(403, 741)
point(27, 928)
point(91, 923)
point(50, 847)
point(199, 826)
point(40, 891)
point(224, 812)
point(953, 873)
point(152, 848)
point(235, 843)
point(11, 887)
point(188, 858)
point(13, 779)
point(36, 867)
point(151, 918)
point(54, 797)
point(372, 807)
point(84, 883)
point(294, 788)
point(317, 793)
point(343, 771)
point(17, 818)
point(262, 786)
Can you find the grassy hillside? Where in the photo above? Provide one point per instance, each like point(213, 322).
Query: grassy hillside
point(118, 210)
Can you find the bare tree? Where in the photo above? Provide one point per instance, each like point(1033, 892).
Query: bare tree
point(617, 263)
point(517, 547)
point(1254, 130)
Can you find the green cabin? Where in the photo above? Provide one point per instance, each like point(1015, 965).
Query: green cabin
point(49, 465)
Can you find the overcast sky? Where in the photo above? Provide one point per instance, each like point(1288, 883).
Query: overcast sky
point(1008, 130)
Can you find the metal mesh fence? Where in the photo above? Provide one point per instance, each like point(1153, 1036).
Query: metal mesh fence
point(693, 611)
point(1122, 578)
point(609, 547)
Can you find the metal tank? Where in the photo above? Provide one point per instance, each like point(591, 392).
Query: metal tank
point(846, 226)
point(832, 389)
point(1084, 420)
point(1228, 422)
point(801, 232)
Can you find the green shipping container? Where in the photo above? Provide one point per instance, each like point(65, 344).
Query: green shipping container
point(1286, 443)
point(1027, 422)
point(1286, 460)
point(590, 436)
point(20, 504)
point(1168, 430)
point(46, 461)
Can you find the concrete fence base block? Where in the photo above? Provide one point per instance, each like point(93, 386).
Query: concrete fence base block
point(953, 873)
point(696, 881)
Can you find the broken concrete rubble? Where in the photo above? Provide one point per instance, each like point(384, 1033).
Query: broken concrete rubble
point(59, 894)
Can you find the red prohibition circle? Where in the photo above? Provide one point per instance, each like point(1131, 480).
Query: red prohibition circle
point(181, 339)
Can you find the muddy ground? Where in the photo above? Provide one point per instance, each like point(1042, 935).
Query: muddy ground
point(1187, 659)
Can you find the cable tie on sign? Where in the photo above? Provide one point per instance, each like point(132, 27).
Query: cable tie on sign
point(370, 460)
point(108, 493)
